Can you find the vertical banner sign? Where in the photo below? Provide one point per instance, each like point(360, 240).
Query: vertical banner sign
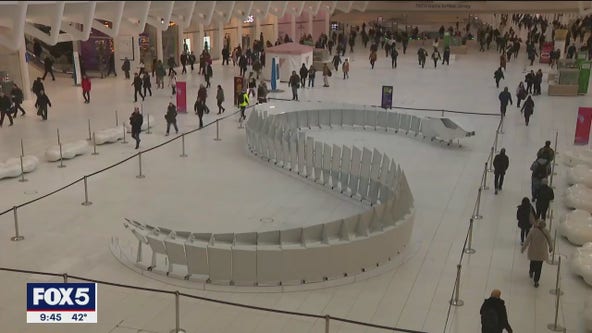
point(583, 123)
point(61, 303)
point(238, 87)
point(387, 97)
point(545, 57)
point(181, 96)
point(274, 74)
point(77, 75)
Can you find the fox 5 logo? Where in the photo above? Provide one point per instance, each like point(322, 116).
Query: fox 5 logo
point(61, 297)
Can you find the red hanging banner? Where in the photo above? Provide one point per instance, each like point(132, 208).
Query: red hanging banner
point(181, 96)
point(582, 135)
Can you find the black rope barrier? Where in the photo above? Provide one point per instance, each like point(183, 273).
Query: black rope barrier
point(208, 299)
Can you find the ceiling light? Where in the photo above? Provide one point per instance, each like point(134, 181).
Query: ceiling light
point(161, 20)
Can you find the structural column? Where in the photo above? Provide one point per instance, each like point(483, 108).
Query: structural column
point(180, 39)
point(327, 23)
point(257, 28)
point(276, 31)
point(24, 70)
point(159, 51)
point(220, 39)
point(309, 25)
point(293, 27)
point(200, 39)
point(239, 32)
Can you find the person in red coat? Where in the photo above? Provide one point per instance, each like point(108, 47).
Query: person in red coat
point(86, 89)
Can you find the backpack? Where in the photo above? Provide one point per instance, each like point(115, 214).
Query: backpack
point(489, 320)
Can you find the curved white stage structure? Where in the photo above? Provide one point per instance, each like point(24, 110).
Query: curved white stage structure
point(318, 252)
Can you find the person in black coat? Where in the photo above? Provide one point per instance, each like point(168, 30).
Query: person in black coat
point(500, 165)
point(184, 62)
point(496, 306)
point(528, 109)
point(37, 87)
point(199, 110)
point(17, 99)
point(136, 120)
point(303, 75)
point(505, 97)
point(137, 87)
point(191, 59)
point(48, 68)
point(529, 79)
point(147, 84)
point(111, 67)
point(126, 67)
point(37, 49)
point(5, 104)
point(394, 55)
point(525, 215)
point(498, 75)
point(41, 104)
point(171, 118)
point(446, 56)
point(544, 195)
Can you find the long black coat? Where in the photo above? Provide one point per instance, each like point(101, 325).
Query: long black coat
point(136, 121)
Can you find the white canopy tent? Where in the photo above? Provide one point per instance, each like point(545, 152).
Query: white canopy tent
point(290, 57)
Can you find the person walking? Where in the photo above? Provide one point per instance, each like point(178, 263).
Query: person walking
point(500, 165)
point(546, 152)
point(220, 99)
point(394, 56)
point(171, 64)
point(86, 89)
point(171, 118)
point(435, 57)
point(326, 75)
point(345, 69)
point(503, 61)
point(202, 95)
point(529, 79)
point(17, 99)
point(526, 216)
point(372, 58)
point(147, 84)
point(303, 75)
point(160, 73)
point(173, 82)
point(243, 103)
point(538, 80)
point(494, 317)
point(498, 75)
point(137, 83)
point(505, 97)
point(520, 93)
point(543, 196)
point(5, 104)
point(294, 82)
point(37, 87)
point(252, 85)
point(41, 104)
point(538, 243)
point(527, 109)
point(208, 73)
point(262, 92)
point(422, 56)
point(183, 59)
point(446, 56)
point(199, 109)
point(111, 66)
point(336, 61)
point(126, 67)
point(312, 72)
point(540, 170)
point(48, 66)
point(191, 58)
point(136, 120)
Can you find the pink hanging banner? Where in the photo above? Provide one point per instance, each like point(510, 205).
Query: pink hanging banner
point(181, 96)
point(582, 136)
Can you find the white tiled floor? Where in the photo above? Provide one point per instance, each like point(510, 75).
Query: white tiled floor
point(221, 188)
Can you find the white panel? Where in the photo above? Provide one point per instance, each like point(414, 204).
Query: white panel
point(365, 172)
point(393, 120)
point(325, 118)
point(337, 117)
point(313, 118)
point(309, 151)
point(335, 165)
point(175, 251)
point(318, 161)
point(302, 119)
point(355, 170)
point(359, 117)
point(197, 258)
point(326, 163)
point(301, 156)
point(382, 119)
point(374, 176)
point(348, 117)
point(345, 168)
point(293, 152)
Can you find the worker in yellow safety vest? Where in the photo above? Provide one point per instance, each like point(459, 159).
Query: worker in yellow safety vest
point(243, 101)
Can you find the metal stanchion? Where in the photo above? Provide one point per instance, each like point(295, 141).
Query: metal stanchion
point(86, 202)
point(469, 249)
point(183, 146)
point(555, 145)
point(557, 289)
point(60, 145)
point(22, 148)
point(65, 276)
point(218, 130)
point(177, 329)
point(554, 326)
point(490, 160)
point(89, 131)
point(148, 129)
point(552, 261)
point(94, 145)
point(17, 237)
point(485, 187)
point(22, 171)
point(476, 215)
point(123, 133)
point(116, 119)
point(495, 144)
point(327, 320)
point(140, 175)
point(501, 125)
point(456, 301)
